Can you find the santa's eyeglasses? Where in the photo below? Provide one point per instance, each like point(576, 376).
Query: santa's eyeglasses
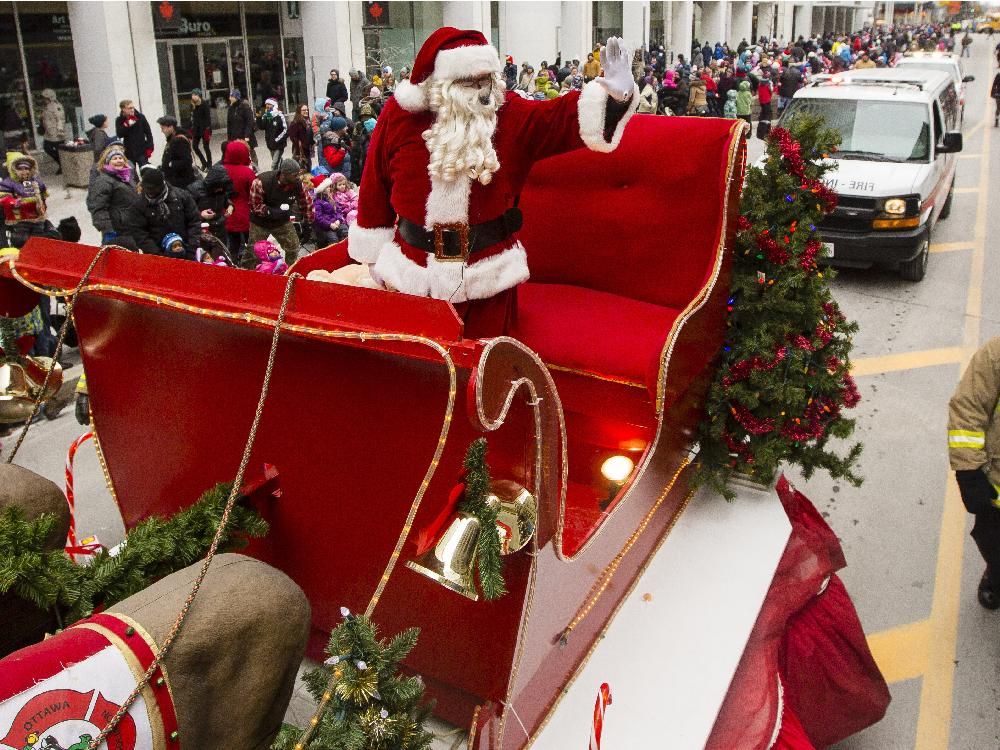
point(475, 83)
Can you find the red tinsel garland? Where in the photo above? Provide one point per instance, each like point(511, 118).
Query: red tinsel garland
point(741, 370)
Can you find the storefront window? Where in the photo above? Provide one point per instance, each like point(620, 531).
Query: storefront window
point(607, 20)
point(295, 73)
point(394, 31)
point(51, 64)
point(15, 119)
point(267, 72)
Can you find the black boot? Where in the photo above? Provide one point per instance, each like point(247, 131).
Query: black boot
point(988, 598)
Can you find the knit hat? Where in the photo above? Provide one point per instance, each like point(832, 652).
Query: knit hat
point(448, 54)
point(235, 93)
point(198, 93)
point(271, 101)
point(289, 166)
point(111, 150)
point(97, 120)
point(169, 240)
point(151, 177)
point(337, 123)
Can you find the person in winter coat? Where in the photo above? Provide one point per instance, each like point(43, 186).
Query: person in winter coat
point(329, 225)
point(275, 130)
point(162, 210)
point(361, 137)
point(236, 160)
point(110, 196)
point(271, 197)
point(334, 153)
point(974, 455)
point(765, 92)
point(23, 199)
point(213, 195)
point(789, 83)
point(510, 74)
point(744, 98)
point(300, 135)
point(360, 86)
point(53, 128)
point(345, 197)
point(177, 164)
point(98, 135)
point(132, 129)
point(336, 90)
point(697, 101)
point(729, 108)
point(544, 88)
point(647, 97)
point(995, 93)
point(201, 128)
point(240, 122)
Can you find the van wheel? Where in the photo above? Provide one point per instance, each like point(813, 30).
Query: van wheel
point(914, 270)
point(946, 209)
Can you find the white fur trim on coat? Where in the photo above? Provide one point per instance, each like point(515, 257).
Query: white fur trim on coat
point(451, 281)
point(466, 62)
point(410, 96)
point(365, 244)
point(448, 201)
point(591, 111)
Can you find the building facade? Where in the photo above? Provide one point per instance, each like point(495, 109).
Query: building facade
point(94, 54)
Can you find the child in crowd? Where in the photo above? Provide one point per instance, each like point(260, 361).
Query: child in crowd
point(729, 109)
point(329, 225)
point(345, 196)
point(173, 246)
point(270, 256)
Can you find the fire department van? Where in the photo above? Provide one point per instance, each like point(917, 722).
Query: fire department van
point(895, 166)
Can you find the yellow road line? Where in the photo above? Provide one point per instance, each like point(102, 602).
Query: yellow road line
point(951, 355)
point(965, 190)
point(969, 156)
point(980, 124)
point(901, 652)
point(937, 688)
point(950, 247)
point(936, 692)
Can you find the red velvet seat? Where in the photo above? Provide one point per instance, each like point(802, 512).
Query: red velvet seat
point(593, 332)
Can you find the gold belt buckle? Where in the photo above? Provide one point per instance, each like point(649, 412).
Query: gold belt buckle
point(463, 241)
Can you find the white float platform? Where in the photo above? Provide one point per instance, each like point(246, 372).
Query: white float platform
point(670, 653)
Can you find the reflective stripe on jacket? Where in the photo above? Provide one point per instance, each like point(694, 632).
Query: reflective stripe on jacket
point(973, 423)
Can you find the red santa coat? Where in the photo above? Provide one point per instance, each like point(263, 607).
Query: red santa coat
point(396, 184)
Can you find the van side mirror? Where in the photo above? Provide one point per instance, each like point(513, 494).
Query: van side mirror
point(968, 79)
point(951, 143)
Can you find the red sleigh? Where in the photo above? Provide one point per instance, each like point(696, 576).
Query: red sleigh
point(375, 397)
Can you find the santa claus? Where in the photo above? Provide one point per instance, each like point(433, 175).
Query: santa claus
point(438, 212)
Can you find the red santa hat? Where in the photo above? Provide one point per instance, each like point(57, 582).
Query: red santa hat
point(448, 54)
point(320, 182)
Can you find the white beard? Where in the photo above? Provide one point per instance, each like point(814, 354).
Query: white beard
point(460, 140)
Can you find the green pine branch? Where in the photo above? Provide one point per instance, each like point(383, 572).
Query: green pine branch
point(488, 559)
point(153, 549)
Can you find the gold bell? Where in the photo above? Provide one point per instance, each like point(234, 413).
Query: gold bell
point(450, 561)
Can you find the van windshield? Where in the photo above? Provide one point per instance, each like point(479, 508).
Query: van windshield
point(872, 130)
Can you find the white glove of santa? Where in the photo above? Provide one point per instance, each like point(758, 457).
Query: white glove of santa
point(617, 63)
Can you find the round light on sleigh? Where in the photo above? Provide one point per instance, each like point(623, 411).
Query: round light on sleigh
point(617, 468)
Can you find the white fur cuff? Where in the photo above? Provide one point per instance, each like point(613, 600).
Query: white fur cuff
point(591, 110)
point(364, 244)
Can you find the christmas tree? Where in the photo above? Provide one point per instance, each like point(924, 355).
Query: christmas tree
point(364, 703)
point(784, 375)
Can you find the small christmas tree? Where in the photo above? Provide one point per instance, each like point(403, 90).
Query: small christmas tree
point(784, 375)
point(368, 705)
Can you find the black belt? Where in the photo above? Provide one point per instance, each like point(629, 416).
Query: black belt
point(456, 242)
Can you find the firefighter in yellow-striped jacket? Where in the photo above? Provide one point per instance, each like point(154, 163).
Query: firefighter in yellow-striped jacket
point(974, 453)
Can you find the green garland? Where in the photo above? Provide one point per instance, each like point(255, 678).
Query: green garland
point(784, 376)
point(372, 707)
point(488, 559)
point(153, 549)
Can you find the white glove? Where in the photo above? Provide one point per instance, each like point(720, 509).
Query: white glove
point(617, 64)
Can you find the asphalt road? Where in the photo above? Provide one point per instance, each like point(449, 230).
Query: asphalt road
point(912, 569)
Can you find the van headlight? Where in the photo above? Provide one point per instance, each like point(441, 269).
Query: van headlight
point(895, 206)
